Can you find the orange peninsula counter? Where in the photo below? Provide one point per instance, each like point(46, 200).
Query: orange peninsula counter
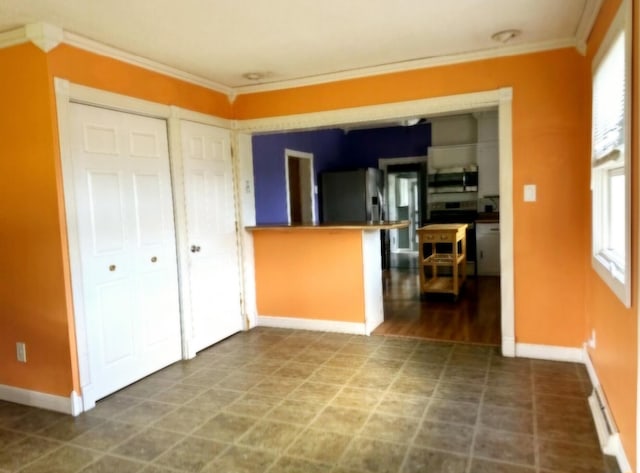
point(320, 277)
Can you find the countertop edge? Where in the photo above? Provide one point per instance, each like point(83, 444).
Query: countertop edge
point(338, 226)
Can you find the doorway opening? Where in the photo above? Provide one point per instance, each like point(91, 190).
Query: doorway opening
point(300, 187)
point(406, 200)
point(434, 106)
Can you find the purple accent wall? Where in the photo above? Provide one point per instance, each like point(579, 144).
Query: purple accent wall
point(332, 150)
point(363, 148)
point(269, 170)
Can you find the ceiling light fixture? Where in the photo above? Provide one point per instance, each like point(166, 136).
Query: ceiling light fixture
point(505, 36)
point(255, 76)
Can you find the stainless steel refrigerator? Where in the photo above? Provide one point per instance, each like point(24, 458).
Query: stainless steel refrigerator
point(352, 196)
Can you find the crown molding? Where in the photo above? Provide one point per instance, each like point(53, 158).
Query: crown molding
point(47, 37)
point(587, 20)
point(409, 65)
point(96, 47)
point(13, 37)
point(43, 35)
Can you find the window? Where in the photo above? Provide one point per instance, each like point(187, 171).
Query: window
point(610, 159)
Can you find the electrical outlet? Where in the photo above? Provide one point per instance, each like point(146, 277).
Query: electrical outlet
point(21, 352)
point(530, 193)
point(592, 341)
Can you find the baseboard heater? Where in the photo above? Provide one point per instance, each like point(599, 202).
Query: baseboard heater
point(608, 434)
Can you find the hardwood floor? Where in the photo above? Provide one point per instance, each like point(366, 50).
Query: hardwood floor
point(473, 318)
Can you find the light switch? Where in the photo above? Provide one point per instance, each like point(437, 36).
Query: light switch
point(529, 192)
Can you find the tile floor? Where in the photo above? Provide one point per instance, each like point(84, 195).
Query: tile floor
point(273, 400)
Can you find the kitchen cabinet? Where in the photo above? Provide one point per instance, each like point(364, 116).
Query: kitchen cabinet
point(454, 235)
point(488, 249)
point(488, 169)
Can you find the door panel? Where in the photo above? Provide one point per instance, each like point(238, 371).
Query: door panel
point(114, 301)
point(149, 223)
point(127, 245)
point(214, 273)
point(105, 205)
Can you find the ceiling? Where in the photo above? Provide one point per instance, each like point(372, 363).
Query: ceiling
point(291, 42)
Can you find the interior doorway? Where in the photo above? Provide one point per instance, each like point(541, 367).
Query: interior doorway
point(406, 200)
point(300, 187)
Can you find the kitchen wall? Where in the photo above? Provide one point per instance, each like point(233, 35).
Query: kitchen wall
point(269, 167)
point(333, 150)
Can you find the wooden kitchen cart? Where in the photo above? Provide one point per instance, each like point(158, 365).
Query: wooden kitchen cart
point(453, 237)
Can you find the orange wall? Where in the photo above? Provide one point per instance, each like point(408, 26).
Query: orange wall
point(85, 68)
point(310, 274)
point(33, 295)
point(550, 140)
point(616, 354)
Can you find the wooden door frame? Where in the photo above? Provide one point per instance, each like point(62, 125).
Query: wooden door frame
point(290, 153)
point(66, 93)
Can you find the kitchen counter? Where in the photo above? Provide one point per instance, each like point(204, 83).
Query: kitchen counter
point(488, 217)
point(384, 225)
point(320, 277)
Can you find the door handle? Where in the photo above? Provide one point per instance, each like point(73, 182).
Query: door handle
point(195, 249)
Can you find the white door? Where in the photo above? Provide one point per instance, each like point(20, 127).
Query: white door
point(127, 245)
point(214, 273)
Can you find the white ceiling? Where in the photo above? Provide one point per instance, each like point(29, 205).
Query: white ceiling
point(306, 40)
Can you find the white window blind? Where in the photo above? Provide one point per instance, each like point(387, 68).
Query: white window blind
point(609, 104)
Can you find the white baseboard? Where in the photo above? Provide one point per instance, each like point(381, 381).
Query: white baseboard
point(67, 405)
point(312, 324)
point(614, 445)
point(508, 346)
point(549, 352)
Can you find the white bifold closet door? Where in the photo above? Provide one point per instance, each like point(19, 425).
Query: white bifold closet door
point(127, 243)
point(214, 271)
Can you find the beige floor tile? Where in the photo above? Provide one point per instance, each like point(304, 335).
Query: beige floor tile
point(65, 459)
point(391, 428)
point(106, 435)
point(358, 398)
point(270, 435)
point(184, 419)
point(295, 411)
point(319, 446)
point(374, 456)
point(111, 464)
point(25, 451)
point(443, 436)
point(296, 465)
point(342, 420)
point(505, 446)
point(191, 454)
point(148, 444)
point(225, 427)
point(425, 460)
point(241, 460)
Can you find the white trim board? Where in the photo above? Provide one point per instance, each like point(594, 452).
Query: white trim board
point(71, 405)
point(549, 352)
point(312, 324)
